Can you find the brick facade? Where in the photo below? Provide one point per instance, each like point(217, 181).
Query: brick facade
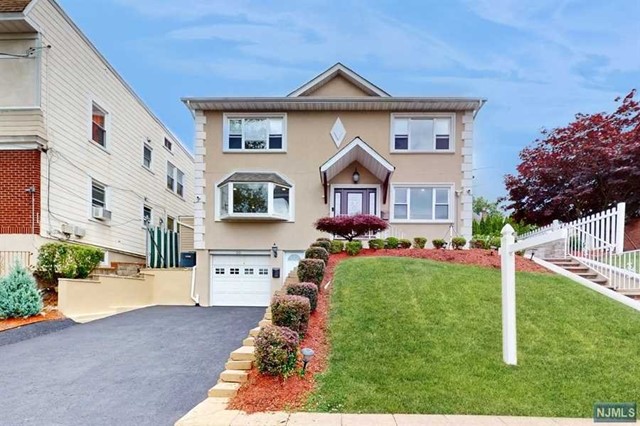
point(18, 171)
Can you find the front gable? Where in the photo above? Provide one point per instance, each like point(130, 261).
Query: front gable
point(338, 81)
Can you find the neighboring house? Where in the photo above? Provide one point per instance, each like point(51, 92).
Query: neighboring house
point(267, 168)
point(82, 158)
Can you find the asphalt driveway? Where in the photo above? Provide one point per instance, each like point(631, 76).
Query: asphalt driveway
point(145, 367)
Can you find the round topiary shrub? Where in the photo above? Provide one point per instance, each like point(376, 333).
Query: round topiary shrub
point(391, 243)
point(292, 312)
point(276, 350)
point(404, 243)
point(311, 270)
point(376, 244)
point(19, 294)
point(353, 248)
point(322, 243)
point(308, 290)
point(317, 253)
point(458, 242)
point(438, 243)
point(419, 242)
point(336, 247)
point(324, 239)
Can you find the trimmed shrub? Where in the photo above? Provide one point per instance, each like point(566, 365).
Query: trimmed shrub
point(351, 227)
point(19, 294)
point(292, 312)
point(478, 243)
point(376, 244)
point(324, 239)
point(353, 248)
point(495, 242)
point(322, 243)
point(317, 253)
point(458, 242)
point(276, 350)
point(308, 290)
point(63, 260)
point(439, 243)
point(404, 243)
point(311, 270)
point(391, 243)
point(419, 242)
point(336, 247)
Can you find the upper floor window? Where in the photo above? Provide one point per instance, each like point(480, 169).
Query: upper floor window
point(147, 153)
point(175, 179)
point(421, 203)
point(255, 133)
point(98, 125)
point(168, 144)
point(421, 133)
point(99, 203)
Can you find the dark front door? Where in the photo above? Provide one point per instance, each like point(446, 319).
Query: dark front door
point(351, 201)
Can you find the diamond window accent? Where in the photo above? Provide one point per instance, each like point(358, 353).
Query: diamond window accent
point(338, 132)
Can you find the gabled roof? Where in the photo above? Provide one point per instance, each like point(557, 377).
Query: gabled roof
point(357, 150)
point(333, 72)
point(13, 6)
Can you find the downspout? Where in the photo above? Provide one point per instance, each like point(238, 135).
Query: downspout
point(195, 297)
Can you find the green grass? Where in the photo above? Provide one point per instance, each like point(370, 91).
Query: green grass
point(416, 336)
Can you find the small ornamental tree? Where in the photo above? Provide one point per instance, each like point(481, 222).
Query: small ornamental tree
point(19, 294)
point(582, 168)
point(350, 227)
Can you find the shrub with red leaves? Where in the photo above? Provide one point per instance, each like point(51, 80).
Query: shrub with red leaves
point(276, 350)
point(291, 311)
point(350, 227)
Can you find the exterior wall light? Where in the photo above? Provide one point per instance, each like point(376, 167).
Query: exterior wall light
point(356, 176)
point(307, 354)
point(274, 250)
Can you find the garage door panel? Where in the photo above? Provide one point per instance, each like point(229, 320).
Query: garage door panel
point(240, 280)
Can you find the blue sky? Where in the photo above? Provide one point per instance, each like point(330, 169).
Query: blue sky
point(537, 62)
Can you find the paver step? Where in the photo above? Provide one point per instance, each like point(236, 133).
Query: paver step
point(577, 268)
point(244, 353)
point(630, 293)
point(267, 316)
point(264, 323)
point(224, 390)
point(234, 376)
point(249, 341)
point(588, 275)
point(254, 332)
point(601, 281)
point(238, 365)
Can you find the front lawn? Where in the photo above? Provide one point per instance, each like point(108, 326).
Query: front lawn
point(417, 336)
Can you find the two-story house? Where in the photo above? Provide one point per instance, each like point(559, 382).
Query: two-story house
point(267, 168)
point(82, 158)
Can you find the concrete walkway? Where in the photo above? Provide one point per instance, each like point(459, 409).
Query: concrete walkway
point(144, 367)
point(212, 412)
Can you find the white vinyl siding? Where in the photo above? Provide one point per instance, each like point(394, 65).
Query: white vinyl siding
point(421, 203)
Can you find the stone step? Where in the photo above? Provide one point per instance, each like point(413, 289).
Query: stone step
point(631, 293)
point(238, 365)
point(244, 353)
point(249, 341)
point(254, 332)
point(267, 316)
point(577, 268)
point(234, 376)
point(588, 275)
point(224, 390)
point(264, 323)
point(601, 281)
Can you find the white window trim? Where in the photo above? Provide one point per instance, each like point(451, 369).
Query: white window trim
point(452, 202)
point(107, 200)
point(452, 133)
point(145, 205)
point(292, 197)
point(147, 145)
point(333, 187)
point(174, 189)
point(107, 125)
point(166, 222)
point(225, 133)
point(165, 146)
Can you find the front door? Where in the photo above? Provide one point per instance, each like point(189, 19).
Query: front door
point(352, 201)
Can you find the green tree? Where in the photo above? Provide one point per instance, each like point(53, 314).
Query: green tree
point(481, 204)
point(19, 294)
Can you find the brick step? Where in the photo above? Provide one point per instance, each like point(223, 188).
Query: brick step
point(249, 341)
point(238, 365)
point(224, 390)
point(234, 376)
point(244, 353)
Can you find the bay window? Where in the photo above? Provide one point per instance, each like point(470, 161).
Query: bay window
point(242, 198)
point(422, 133)
point(255, 133)
point(422, 203)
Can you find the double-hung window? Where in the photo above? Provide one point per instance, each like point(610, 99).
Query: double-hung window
point(255, 133)
point(98, 194)
point(417, 133)
point(98, 125)
point(175, 179)
point(147, 156)
point(422, 203)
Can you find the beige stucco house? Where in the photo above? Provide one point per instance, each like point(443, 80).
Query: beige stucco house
point(267, 168)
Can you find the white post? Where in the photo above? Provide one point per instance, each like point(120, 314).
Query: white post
point(508, 260)
point(620, 213)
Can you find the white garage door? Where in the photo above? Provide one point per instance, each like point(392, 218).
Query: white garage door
point(240, 280)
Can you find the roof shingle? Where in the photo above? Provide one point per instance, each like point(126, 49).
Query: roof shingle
point(12, 6)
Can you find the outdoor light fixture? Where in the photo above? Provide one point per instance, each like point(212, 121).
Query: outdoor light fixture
point(307, 354)
point(274, 250)
point(356, 176)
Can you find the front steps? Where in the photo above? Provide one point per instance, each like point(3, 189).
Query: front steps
point(575, 267)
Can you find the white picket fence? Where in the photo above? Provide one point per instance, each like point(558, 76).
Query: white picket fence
point(598, 242)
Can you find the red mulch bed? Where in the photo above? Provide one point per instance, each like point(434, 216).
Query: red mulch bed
point(49, 313)
point(266, 393)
